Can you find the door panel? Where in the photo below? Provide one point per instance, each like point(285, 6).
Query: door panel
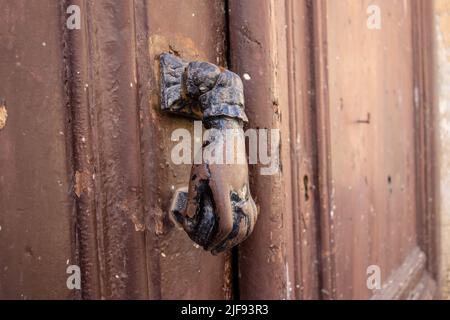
point(140, 252)
point(343, 97)
point(195, 30)
point(37, 221)
point(372, 143)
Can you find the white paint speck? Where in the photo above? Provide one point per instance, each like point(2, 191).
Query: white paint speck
point(172, 188)
point(83, 139)
point(193, 14)
point(416, 96)
point(163, 254)
point(131, 84)
point(67, 262)
point(117, 276)
point(247, 76)
point(44, 44)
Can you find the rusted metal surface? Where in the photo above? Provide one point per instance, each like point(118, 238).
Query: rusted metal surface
point(37, 216)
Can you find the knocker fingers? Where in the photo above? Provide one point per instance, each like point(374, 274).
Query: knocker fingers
point(215, 227)
point(244, 214)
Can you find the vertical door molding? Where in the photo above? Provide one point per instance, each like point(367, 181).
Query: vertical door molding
point(271, 45)
point(324, 156)
point(425, 130)
point(108, 169)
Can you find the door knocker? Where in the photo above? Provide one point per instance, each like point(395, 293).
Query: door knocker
point(216, 210)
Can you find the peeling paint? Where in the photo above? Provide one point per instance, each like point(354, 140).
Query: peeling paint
point(3, 114)
point(78, 187)
point(81, 182)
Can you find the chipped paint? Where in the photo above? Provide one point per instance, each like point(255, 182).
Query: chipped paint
point(3, 114)
point(78, 184)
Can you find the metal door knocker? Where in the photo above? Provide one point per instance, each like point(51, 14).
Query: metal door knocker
point(216, 210)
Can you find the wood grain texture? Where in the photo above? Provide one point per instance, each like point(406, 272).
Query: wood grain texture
point(193, 30)
point(372, 176)
point(129, 249)
point(37, 209)
point(272, 45)
point(409, 281)
point(425, 133)
point(106, 142)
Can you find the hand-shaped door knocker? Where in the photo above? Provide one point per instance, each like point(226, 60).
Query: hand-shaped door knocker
point(216, 210)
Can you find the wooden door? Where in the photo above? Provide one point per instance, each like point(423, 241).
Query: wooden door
point(354, 105)
point(85, 165)
point(86, 176)
point(373, 98)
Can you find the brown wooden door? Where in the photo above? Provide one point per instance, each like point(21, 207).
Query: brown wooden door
point(86, 176)
point(373, 99)
point(354, 106)
point(85, 164)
